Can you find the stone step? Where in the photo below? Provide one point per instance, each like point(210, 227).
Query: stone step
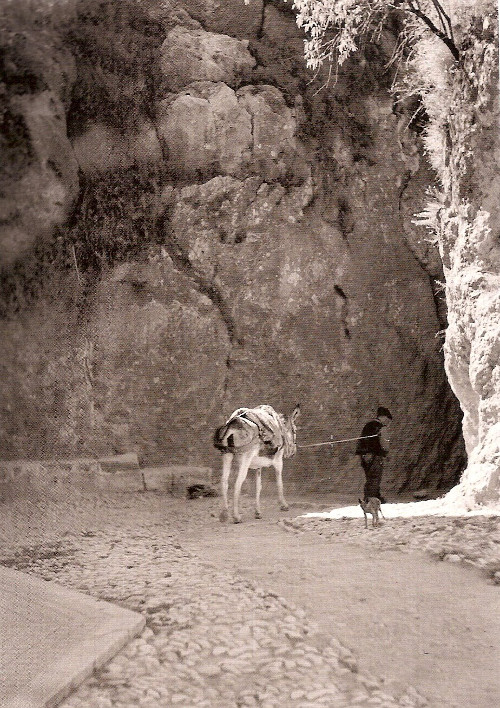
point(54, 638)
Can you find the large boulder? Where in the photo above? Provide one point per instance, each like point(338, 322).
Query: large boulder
point(205, 131)
point(195, 55)
point(301, 307)
point(234, 17)
point(210, 129)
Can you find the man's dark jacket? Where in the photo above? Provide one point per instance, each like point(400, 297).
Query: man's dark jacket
point(371, 445)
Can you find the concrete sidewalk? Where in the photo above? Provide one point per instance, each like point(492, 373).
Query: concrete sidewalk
point(52, 638)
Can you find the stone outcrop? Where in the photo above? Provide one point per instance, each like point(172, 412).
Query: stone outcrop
point(210, 129)
point(468, 227)
point(230, 17)
point(38, 170)
point(205, 130)
point(195, 55)
point(278, 264)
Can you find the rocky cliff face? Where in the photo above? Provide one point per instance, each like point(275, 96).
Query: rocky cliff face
point(215, 232)
point(467, 221)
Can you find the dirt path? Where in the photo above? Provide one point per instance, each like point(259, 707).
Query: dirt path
point(407, 618)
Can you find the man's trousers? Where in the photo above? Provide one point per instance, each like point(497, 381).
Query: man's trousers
point(373, 467)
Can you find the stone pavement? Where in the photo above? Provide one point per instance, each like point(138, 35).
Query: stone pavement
point(468, 540)
point(212, 639)
point(52, 638)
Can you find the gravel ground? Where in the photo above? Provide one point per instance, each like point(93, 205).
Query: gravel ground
point(211, 639)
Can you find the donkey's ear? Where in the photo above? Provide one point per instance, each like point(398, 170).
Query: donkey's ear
point(296, 413)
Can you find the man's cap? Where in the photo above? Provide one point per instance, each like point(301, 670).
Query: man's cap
point(384, 411)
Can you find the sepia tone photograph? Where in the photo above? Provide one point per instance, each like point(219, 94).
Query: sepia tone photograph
point(250, 354)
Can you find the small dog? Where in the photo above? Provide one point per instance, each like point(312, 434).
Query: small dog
point(371, 506)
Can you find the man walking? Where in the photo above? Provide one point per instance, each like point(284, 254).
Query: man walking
point(372, 447)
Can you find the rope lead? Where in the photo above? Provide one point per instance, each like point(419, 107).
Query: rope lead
point(333, 442)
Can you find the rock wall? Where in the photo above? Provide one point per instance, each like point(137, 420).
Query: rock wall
point(39, 171)
point(232, 236)
point(467, 221)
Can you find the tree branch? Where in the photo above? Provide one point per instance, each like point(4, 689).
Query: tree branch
point(446, 38)
point(444, 18)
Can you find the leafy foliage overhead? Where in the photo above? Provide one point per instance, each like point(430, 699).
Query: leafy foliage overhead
point(334, 27)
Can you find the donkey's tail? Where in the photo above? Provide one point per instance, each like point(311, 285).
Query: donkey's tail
point(236, 435)
point(221, 436)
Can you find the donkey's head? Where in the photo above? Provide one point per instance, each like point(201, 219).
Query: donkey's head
point(290, 433)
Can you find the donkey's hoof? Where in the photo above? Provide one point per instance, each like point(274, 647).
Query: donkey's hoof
point(223, 516)
point(258, 515)
point(237, 519)
point(284, 507)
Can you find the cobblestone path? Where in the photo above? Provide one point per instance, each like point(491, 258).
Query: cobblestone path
point(211, 639)
point(473, 541)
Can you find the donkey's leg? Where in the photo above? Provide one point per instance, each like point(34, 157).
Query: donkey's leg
point(278, 466)
point(227, 459)
point(242, 475)
point(258, 488)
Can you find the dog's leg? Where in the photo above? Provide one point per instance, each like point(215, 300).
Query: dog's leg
point(242, 474)
point(258, 488)
point(278, 467)
point(227, 459)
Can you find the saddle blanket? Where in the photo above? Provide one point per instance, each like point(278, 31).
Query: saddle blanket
point(268, 422)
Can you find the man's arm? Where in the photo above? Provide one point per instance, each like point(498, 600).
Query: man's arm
point(384, 442)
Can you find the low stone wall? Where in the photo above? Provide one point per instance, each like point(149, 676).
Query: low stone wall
point(58, 478)
point(174, 479)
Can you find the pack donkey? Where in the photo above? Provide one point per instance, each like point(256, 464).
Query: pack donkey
point(255, 438)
